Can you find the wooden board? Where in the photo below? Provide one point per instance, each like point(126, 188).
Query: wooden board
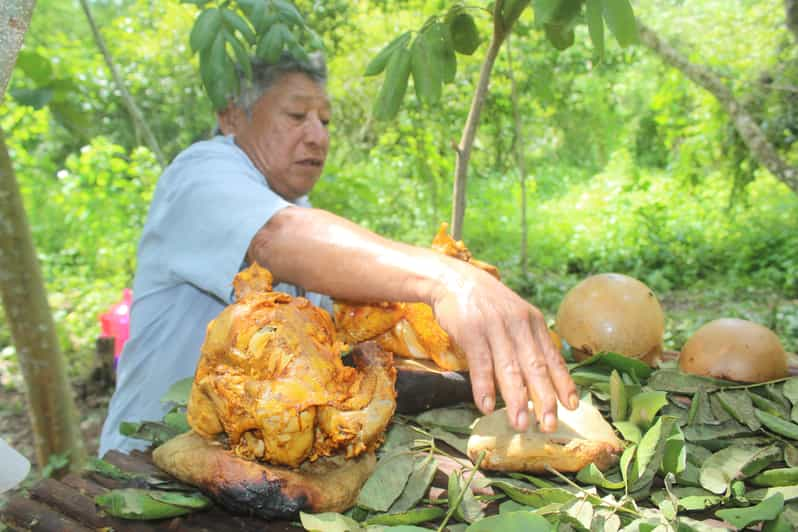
point(67, 505)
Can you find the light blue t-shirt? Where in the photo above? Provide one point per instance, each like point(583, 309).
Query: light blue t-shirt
point(207, 206)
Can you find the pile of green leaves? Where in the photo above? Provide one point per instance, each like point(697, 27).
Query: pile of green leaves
point(701, 454)
point(146, 497)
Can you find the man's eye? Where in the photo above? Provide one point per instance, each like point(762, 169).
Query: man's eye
point(325, 123)
point(297, 116)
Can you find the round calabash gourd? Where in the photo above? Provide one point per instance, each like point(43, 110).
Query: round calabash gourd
point(736, 350)
point(615, 313)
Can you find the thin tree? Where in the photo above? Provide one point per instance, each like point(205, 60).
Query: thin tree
point(50, 404)
point(519, 157)
point(745, 124)
point(127, 100)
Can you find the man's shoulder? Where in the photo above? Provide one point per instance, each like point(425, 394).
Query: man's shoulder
point(222, 148)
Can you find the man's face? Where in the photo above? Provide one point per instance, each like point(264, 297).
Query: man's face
point(287, 137)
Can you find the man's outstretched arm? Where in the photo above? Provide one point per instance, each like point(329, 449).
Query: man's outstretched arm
point(504, 337)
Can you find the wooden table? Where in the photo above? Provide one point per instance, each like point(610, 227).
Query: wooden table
point(68, 505)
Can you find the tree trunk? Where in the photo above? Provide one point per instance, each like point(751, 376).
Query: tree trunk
point(50, 403)
point(756, 141)
point(519, 158)
point(14, 20)
point(127, 100)
point(791, 10)
point(501, 29)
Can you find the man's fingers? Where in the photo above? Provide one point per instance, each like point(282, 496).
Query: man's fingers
point(558, 371)
point(480, 369)
point(511, 380)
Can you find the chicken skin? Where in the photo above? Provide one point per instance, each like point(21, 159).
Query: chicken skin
point(408, 329)
point(271, 378)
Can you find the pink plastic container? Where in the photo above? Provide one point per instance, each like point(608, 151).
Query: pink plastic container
point(115, 322)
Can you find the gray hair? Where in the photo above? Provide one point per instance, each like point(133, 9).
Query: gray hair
point(264, 75)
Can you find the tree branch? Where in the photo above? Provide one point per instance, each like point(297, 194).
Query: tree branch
point(15, 18)
point(761, 148)
point(127, 100)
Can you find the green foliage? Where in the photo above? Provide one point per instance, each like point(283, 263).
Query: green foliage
point(631, 167)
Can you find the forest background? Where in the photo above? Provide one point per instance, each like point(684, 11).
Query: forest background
point(631, 167)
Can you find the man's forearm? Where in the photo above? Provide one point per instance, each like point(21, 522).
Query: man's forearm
point(325, 253)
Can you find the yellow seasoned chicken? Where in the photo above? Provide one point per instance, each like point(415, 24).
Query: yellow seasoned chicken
point(271, 378)
point(408, 329)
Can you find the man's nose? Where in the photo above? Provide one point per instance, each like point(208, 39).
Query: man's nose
point(316, 132)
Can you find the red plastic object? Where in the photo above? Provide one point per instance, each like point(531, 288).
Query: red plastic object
point(115, 322)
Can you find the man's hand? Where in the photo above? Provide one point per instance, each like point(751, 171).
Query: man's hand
point(506, 339)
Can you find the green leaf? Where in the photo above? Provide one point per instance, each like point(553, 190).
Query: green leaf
point(791, 455)
point(618, 362)
point(645, 406)
point(690, 498)
point(776, 424)
point(409, 517)
point(289, 12)
point(427, 73)
point(241, 54)
point(468, 509)
point(380, 61)
point(764, 511)
point(132, 503)
point(650, 451)
point(595, 26)
point(399, 436)
point(458, 442)
point(790, 390)
point(394, 86)
point(561, 36)
point(36, 98)
point(619, 401)
point(177, 421)
point(439, 40)
point(237, 22)
point(673, 380)
point(271, 44)
point(453, 419)
point(674, 459)
point(109, 470)
point(328, 522)
point(700, 412)
point(578, 513)
point(628, 472)
point(205, 30)
point(387, 482)
point(465, 36)
point(788, 492)
point(511, 11)
point(537, 498)
point(218, 73)
point(629, 431)
point(512, 522)
point(36, 67)
point(735, 463)
point(544, 10)
point(194, 500)
point(738, 404)
point(417, 485)
point(621, 20)
point(712, 433)
point(590, 474)
point(179, 392)
point(787, 476)
point(157, 433)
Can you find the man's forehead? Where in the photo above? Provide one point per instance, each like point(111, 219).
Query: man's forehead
point(307, 98)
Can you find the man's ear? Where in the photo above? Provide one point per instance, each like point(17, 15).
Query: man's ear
point(231, 119)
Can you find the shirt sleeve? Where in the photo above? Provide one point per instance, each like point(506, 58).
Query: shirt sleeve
point(210, 208)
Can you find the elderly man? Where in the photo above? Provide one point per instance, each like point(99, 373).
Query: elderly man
point(233, 199)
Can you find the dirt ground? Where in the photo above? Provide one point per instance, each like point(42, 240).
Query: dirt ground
point(91, 398)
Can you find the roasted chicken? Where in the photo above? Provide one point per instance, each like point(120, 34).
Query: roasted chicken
point(408, 329)
point(271, 379)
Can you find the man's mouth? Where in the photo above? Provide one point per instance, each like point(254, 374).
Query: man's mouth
point(316, 163)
